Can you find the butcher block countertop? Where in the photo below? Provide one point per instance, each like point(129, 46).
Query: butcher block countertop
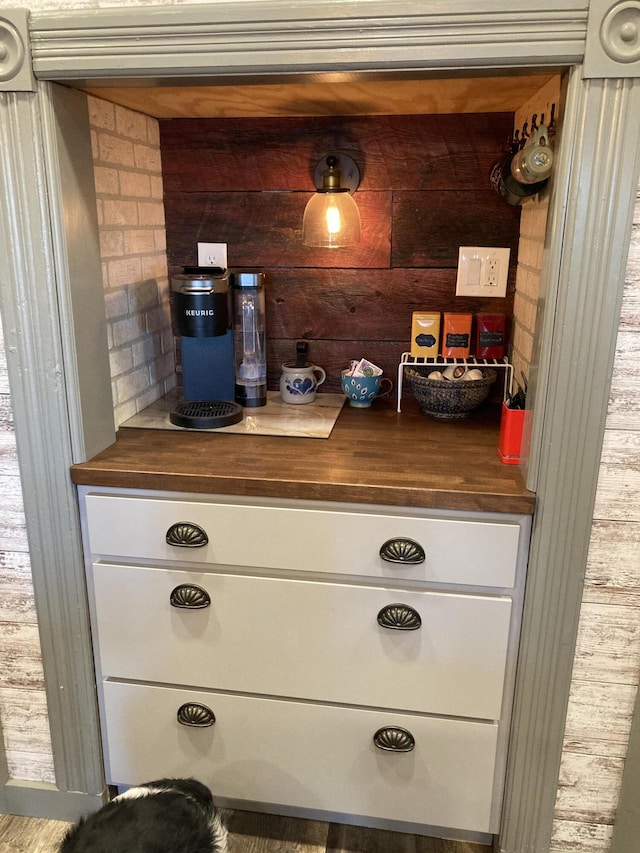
point(373, 456)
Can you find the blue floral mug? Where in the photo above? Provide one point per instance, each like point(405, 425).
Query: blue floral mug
point(298, 384)
point(361, 390)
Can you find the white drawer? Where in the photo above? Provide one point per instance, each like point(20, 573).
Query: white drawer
point(338, 542)
point(305, 755)
point(304, 639)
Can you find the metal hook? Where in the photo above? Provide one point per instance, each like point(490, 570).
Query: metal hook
point(534, 121)
point(553, 116)
point(510, 143)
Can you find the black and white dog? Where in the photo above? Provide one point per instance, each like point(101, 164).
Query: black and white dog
point(165, 816)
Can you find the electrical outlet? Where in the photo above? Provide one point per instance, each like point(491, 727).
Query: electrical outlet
point(493, 271)
point(482, 271)
point(212, 255)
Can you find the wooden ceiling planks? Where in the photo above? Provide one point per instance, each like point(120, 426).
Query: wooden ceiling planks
point(317, 97)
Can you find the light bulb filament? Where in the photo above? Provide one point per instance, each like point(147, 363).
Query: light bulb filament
point(334, 221)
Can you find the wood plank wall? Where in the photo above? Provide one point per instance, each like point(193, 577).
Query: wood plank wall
point(424, 192)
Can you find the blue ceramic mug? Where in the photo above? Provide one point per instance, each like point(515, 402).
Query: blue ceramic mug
point(360, 391)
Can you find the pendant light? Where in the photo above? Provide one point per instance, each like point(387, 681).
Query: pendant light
point(331, 217)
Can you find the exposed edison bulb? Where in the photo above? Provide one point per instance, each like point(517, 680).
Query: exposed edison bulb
point(334, 220)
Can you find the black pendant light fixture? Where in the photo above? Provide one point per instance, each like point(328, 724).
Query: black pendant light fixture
point(331, 217)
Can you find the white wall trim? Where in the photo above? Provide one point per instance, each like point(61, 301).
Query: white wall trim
point(284, 37)
point(34, 341)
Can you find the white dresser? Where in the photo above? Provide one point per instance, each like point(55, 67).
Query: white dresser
point(329, 660)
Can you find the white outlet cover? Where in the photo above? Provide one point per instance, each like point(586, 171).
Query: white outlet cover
point(482, 271)
point(212, 255)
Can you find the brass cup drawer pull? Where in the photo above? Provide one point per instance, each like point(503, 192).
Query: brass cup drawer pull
point(394, 739)
point(399, 617)
point(190, 597)
point(195, 715)
point(403, 551)
point(185, 534)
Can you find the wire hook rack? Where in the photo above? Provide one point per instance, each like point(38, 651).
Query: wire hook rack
point(520, 135)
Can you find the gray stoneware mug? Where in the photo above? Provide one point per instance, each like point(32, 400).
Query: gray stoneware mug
point(298, 384)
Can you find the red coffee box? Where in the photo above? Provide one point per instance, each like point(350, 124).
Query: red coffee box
point(490, 335)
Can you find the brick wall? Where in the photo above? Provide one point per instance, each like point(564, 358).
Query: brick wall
point(128, 181)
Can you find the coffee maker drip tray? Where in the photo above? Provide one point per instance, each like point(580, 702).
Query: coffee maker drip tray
point(206, 414)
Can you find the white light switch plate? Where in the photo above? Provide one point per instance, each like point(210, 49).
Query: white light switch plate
point(482, 271)
point(212, 255)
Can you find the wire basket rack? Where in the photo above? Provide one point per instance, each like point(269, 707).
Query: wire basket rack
point(409, 360)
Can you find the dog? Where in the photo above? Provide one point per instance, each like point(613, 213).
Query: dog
point(165, 816)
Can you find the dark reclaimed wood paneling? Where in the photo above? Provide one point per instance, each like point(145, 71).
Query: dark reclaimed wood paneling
point(345, 314)
point(431, 152)
point(350, 305)
point(429, 228)
point(264, 229)
point(424, 192)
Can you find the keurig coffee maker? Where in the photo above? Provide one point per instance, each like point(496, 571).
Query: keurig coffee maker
point(220, 317)
point(201, 305)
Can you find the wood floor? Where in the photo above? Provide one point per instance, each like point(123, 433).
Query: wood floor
point(253, 833)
